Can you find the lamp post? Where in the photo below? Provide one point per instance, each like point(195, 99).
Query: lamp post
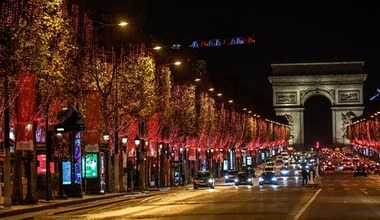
point(180, 166)
point(106, 138)
point(211, 161)
point(124, 141)
point(137, 142)
point(159, 165)
point(199, 159)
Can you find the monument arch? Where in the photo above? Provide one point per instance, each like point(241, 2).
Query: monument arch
point(340, 82)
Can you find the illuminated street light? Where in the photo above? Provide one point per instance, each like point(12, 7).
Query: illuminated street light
point(106, 137)
point(137, 142)
point(122, 24)
point(157, 48)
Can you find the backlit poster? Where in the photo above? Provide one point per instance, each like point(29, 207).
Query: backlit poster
point(41, 169)
point(90, 165)
point(225, 165)
point(66, 173)
point(249, 161)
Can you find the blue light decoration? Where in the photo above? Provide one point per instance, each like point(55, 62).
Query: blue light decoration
point(375, 96)
point(221, 42)
point(102, 172)
point(77, 159)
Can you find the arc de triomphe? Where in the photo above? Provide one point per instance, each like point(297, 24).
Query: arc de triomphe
point(340, 82)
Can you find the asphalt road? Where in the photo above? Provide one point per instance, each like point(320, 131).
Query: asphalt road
point(338, 196)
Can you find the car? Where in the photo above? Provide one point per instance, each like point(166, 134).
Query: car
point(348, 165)
point(297, 171)
point(360, 171)
point(268, 177)
point(251, 172)
point(329, 167)
point(230, 176)
point(243, 178)
point(373, 168)
point(280, 163)
point(304, 165)
point(270, 169)
point(204, 179)
point(284, 171)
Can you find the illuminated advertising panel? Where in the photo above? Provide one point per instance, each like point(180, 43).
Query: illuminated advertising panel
point(90, 165)
point(41, 169)
point(249, 161)
point(66, 173)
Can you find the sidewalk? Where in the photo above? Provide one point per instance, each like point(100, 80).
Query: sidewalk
point(52, 204)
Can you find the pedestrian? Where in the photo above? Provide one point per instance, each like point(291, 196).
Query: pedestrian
point(304, 176)
point(312, 174)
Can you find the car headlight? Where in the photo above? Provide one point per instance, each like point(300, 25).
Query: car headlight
point(249, 179)
point(236, 180)
point(284, 171)
point(225, 177)
point(210, 180)
point(274, 178)
point(261, 179)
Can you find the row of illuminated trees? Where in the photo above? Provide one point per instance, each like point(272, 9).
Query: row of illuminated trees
point(122, 91)
point(365, 132)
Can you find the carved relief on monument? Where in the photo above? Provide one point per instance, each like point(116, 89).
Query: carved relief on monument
point(291, 123)
point(286, 97)
point(328, 93)
point(346, 119)
point(331, 92)
point(348, 96)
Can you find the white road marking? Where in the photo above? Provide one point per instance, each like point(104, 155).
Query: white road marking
point(364, 191)
point(302, 210)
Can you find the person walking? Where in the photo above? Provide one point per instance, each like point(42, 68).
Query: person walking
point(312, 174)
point(305, 175)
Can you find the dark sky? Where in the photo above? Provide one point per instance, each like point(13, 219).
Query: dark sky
point(284, 32)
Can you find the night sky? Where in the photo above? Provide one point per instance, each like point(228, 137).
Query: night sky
point(284, 32)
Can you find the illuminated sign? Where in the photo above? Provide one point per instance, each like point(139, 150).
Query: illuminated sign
point(66, 173)
point(90, 165)
point(249, 161)
point(41, 169)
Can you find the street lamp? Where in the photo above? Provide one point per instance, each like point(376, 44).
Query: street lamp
point(106, 137)
point(137, 142)
point(124, 141)
point(159, 165)
point(123, 23)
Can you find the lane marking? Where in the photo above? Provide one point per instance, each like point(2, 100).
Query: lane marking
point(303, 209)
point(364, 191)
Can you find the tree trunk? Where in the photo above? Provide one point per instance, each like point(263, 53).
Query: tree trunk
point(17, 190)
point(31, 197)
